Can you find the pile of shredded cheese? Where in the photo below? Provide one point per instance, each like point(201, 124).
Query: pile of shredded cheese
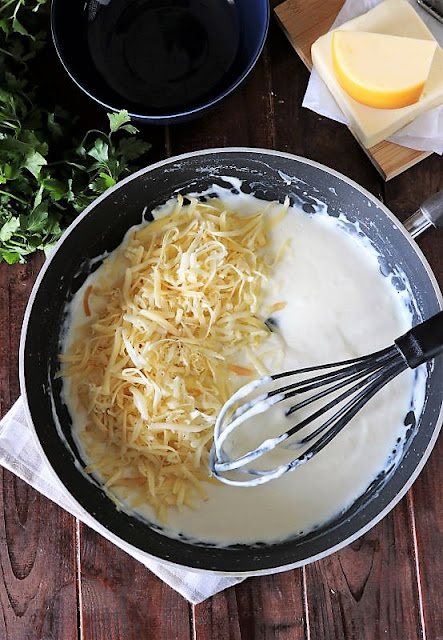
point(171, 328)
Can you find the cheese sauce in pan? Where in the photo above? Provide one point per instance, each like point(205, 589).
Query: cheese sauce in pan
point(338, 305)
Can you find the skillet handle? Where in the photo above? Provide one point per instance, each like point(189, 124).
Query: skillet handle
point(422, 342)
point(429, 214)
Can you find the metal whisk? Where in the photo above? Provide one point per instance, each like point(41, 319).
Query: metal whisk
point(351, 383)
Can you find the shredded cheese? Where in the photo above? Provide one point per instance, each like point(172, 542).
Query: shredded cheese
point(278, 306)
point(171, 316)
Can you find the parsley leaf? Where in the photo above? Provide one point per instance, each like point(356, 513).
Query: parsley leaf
point(48, 172)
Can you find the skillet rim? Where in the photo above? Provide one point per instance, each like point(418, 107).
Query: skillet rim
point(96, 524)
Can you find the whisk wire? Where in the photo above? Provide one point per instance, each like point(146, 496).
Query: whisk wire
point(384, 367)
point(350, 369)
point(336, 423)
point(353, 408)
point(373, 374)
point(342, 366)
point(352, 384)
point(342, 417)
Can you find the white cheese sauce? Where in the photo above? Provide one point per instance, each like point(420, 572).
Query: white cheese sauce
point(338, 306)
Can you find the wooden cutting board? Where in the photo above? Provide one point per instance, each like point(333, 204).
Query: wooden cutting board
point(303, 21)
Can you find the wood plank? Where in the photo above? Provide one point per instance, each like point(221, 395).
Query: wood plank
point(391, 159)
point(426, 496)
point(303, 22)
point(110, 603)
point(38, 594)
point(244, 118)
point(268, 607)
point(404, 194)
point(355, 593)
point(426, 500)
point(37, 539)
point(262, 608)
point(368, 589)
point(16, 282)
point(121, 599)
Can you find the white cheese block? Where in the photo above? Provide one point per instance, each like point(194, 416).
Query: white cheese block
point(371, 125)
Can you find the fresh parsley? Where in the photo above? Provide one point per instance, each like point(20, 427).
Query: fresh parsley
point(47, 173)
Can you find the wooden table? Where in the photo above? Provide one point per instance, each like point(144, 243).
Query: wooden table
point(61, 581)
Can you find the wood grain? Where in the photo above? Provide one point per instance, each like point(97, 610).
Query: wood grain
point(38, 593)
point(369, 589)
point(121, 599)
point(62, 581)
point(16, 282)
point(425, 499)
point(391, 159)
point(303, 21)
point(426, 505)
point(265, 608)
point(245, 118)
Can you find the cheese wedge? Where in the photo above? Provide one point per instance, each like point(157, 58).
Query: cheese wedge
point(379, 70)
point(370, 125)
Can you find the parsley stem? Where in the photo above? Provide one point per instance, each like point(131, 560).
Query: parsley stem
point(88, 133)
point(11, 195)
point(7, 53)
point(5, 6)
point(15, 243)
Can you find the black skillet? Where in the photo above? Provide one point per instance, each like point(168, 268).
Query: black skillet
point(269, 175)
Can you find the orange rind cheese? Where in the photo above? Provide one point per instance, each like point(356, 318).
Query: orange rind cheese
point(379, 70)
point(389, 18)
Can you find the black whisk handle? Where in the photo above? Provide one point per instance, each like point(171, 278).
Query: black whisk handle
point(423, 342)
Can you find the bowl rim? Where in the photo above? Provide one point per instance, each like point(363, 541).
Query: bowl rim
point(145, 556)
point(171, 117)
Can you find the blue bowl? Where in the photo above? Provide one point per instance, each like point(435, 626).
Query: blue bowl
point(164, 61)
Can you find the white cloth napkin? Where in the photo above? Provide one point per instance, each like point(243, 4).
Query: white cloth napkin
point(425, 133)
point(19, 454)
